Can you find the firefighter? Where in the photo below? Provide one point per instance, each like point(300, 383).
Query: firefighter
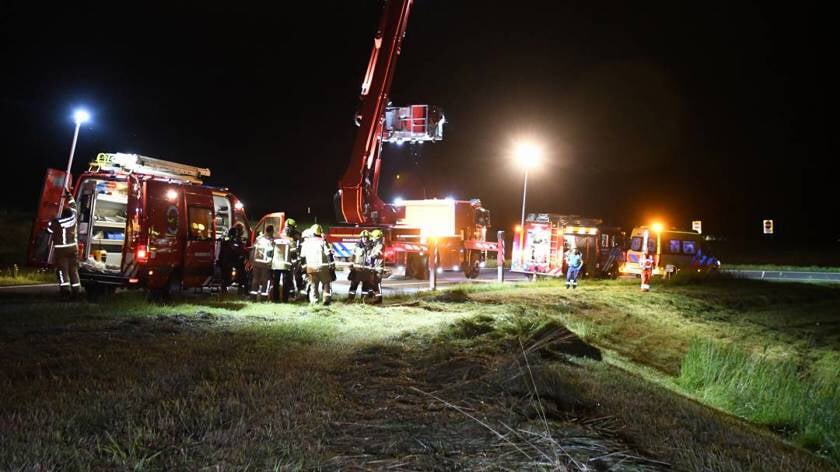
point(646, 264)
point(359, 272)
point(62, 232)
point(230, 257)
point(574, 261)
point(376, 262)
point(260, 266)
point(283, 263)
point(318, 258)
point(293, 232)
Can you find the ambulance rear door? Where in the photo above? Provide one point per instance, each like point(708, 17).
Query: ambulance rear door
point(38, 253)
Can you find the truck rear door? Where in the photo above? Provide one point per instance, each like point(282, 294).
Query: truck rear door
point(200, 250)
point(38, 253)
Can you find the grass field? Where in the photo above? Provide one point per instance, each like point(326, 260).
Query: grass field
point(475, 377)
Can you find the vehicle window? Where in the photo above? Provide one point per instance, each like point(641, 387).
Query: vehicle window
point(636, 244)
point(200, 223)
point(689, 247)
point(674, 246)
point(652, 245)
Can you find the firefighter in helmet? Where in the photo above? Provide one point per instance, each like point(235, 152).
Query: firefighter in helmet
point(291, 230)
point(318, 259)
point(283, 260)
point(359, 272)
point(376, 262)
point(261, 263)
point(62, 232)
point(231, 261)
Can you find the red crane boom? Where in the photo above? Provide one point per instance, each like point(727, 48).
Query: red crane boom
point(358, 188)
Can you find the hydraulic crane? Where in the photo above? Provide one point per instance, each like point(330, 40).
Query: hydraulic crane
point(358, 202)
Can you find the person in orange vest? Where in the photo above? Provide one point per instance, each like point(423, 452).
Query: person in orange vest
point(646, 263)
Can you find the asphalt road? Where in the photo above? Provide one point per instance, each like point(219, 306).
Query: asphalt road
point(789, 276)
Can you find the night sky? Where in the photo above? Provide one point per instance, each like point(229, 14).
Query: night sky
point(709, 111)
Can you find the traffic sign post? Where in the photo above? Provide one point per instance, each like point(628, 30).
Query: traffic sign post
point(768, 226)
point(697, 225)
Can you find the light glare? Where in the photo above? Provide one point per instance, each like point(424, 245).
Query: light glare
point(81, 116)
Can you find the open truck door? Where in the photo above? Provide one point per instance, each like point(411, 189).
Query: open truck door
point(49, 206)
point(277, 219)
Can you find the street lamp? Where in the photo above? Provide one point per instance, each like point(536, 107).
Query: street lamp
point(527, 155)
point(79, 116)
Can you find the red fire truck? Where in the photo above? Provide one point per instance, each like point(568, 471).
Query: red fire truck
point(357, 201)
point(540, 247)
point(142, 222)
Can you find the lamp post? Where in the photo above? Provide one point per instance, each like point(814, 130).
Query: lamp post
point(79, 116)
point(527, 155)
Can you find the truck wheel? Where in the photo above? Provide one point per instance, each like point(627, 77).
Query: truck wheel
point(472, 264)
point(417, 267)
point(165, 293)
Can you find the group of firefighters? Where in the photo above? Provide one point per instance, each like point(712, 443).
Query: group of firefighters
point(278, 264)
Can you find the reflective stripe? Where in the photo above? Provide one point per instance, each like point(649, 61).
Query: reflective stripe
point(65, 284)
point(75, 285)
point(64, 245)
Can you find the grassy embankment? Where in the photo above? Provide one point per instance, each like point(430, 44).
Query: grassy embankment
point(13, 244)
point(426, 382)
point(767, 352)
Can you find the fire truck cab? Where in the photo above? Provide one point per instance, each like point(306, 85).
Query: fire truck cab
point(142, 222)
point(672, 250)
point(541, 246)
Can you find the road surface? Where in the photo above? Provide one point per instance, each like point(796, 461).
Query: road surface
point(787, 275)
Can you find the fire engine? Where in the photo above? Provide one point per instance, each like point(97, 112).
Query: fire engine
point(462, 242)
point(672, 251)
point(541, 245)
point(142, 222)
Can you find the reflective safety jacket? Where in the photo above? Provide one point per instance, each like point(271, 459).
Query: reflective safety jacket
point(360, 252)
point(647, 262)
point(63, 230)
point(376, 255)
point(263, 248)
point(285, 253)
point(316, 253)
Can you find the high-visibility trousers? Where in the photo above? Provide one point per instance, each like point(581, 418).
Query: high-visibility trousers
point(67, 268)
point(319, 280)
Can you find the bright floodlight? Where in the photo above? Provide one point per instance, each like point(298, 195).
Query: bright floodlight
point(528, 154)
point(398, 201)
point(81, 116)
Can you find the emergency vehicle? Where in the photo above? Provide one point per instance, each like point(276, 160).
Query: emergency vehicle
point(142, 222)
point(673, 251)
point(541, 245)
point(407, 226)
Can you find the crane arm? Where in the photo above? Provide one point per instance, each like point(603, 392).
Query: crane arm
point(359, 200)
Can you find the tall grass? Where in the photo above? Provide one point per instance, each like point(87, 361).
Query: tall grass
point(775, 393)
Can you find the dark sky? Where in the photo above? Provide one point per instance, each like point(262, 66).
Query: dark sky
point(717, 111)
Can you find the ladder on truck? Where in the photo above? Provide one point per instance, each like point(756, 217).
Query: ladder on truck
point(135, 163)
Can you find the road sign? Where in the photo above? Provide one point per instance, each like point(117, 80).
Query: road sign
point(697, 225)
point(768, 226)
